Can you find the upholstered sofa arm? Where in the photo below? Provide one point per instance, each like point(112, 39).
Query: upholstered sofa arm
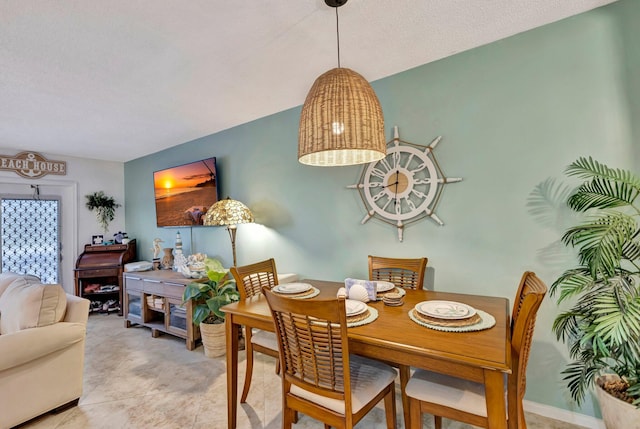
point(77, 309)
point(29, 344)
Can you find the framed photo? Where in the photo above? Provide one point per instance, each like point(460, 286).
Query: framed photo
point(97, 239)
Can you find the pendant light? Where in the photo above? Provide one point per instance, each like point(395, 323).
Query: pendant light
point(341, 121)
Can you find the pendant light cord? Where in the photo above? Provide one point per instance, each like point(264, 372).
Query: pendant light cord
point(338, 36)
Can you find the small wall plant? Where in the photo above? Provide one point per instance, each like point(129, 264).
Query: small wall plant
point(104, 207)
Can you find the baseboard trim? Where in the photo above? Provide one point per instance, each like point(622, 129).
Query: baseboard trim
point(563, 415)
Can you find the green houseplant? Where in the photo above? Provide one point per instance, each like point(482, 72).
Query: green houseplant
point(104, 206)
point(207, 298)
point(602, 327)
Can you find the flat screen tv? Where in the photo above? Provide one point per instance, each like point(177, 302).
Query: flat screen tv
point(185, 193)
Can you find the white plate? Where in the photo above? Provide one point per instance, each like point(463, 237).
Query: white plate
point(384, 286)
point(292, 288)
point(354, 307)
point(445, 309)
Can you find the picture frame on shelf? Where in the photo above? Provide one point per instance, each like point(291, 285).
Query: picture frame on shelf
point(97, 240)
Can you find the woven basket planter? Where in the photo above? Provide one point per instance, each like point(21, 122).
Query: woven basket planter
point(213, 339)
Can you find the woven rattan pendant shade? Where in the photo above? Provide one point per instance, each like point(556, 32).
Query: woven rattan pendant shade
point(341, 121)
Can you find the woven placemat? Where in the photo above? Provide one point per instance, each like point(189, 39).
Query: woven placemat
point(314, 291)
point(362, 319)
point(486, 321)
point(358, 317)
point(446, 322)
point(399, 290)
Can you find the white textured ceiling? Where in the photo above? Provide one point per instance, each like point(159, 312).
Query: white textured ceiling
point(120, 79)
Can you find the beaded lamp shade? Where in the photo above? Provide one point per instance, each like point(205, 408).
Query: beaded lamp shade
point(228, 212)
point(341, 121)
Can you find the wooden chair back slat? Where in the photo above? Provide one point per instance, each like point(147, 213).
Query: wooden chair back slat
point(252, 278)
point(312, 338)
point(406, 273)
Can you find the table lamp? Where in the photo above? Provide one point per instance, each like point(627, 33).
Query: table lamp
point(228, 213)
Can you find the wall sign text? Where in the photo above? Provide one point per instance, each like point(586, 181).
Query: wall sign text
point(32, 165)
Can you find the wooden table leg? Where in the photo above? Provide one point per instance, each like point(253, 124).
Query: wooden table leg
point(232, 370)
point(494, 396)
point(405, 373)
point(515, 413)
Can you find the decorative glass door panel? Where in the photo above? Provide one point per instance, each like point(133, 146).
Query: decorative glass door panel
point(134, 304)
point(30, 234)
point(177, 317)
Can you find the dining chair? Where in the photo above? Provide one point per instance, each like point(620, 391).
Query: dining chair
point(407, 273)
point(250, 280)
point(319, 377)
point(461, 400)
point(403, 272)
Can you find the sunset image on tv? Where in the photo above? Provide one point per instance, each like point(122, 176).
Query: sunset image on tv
point(185, 193)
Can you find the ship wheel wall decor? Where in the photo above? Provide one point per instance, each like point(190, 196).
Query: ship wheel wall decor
point(405, 186)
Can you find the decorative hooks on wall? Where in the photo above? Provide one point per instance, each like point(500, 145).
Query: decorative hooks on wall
point(36, 192)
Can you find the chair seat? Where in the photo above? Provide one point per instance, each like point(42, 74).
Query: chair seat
point(265, 339)
point(368, 378)
point(449, 391)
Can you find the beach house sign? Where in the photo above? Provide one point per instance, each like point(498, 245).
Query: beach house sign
point(32, 165)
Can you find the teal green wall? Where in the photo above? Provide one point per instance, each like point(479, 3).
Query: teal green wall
point(630, 33)
point(512, 114)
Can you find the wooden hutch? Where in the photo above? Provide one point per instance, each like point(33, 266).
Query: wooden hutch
point(99, 271)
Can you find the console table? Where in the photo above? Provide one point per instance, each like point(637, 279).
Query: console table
point(154, 299)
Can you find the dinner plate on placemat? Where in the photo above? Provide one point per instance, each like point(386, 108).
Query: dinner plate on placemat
point(304, 295)
point(292, 288)
point(485, 321)
point(354, 307)
point(445, 309)
point(382, 286)
point(369, 315)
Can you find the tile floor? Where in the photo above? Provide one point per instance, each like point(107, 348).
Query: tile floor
point(135, 381)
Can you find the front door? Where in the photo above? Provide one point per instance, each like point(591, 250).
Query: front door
point(66, 195)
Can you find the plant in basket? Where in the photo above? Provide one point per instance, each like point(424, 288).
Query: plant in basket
point(602, 327)
point(207, 298)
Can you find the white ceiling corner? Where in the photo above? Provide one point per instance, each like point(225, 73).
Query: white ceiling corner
point(118, 80)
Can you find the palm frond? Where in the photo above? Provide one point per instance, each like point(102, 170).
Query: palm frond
point(588, 168)
point(579, 376)
point(631, 250)
point(618, 318)
point(600, 241)
point(565, 326)
point(603, 194)
point(571, 283)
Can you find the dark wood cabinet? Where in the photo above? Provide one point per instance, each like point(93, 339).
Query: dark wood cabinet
point(99, 273)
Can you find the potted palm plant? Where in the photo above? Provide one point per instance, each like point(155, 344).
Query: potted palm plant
point(602, 326)
point(207, 298)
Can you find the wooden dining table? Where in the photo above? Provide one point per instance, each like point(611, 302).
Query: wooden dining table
point(481, 356)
